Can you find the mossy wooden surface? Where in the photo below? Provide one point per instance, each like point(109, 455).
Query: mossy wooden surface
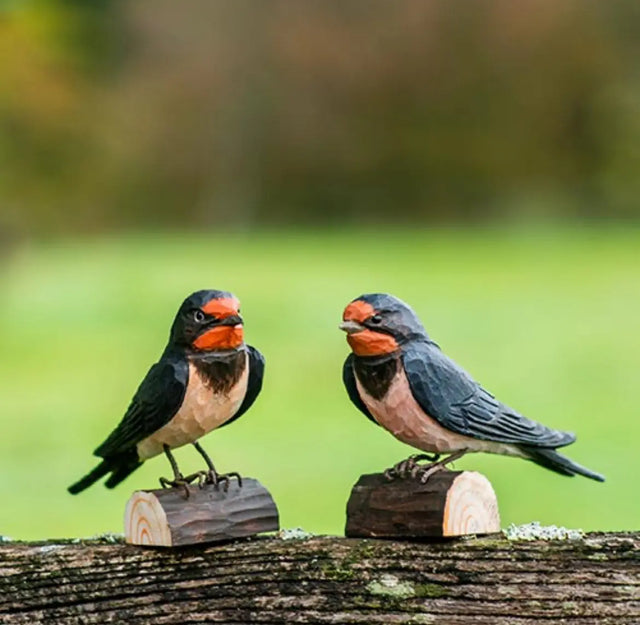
point(485, 581)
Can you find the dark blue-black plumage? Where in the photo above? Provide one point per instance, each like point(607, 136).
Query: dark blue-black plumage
point(162, 391)
point(444, 391)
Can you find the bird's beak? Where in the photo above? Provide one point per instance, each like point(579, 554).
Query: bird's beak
point(231, 320)
point(351, 327)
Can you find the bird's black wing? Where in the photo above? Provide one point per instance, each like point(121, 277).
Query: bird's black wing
point(349, 379)
point(448, 394)
point(156, 401)
point(254, 383)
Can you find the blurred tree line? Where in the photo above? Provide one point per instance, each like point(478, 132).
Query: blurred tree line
point(156, 113)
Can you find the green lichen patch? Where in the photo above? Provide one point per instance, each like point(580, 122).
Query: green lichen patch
point(295, 533)
point(339, 571)
point(570, 608)
point(343, 569)
point(390, 586)
point(422, 619)
point(535, 531)
point(433, 591)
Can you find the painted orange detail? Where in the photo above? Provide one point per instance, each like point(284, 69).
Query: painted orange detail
point(370, 343)
point(358, 311)
point(222, 308)
point(220, 337)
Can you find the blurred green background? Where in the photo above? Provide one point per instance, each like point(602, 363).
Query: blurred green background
point(479, 161)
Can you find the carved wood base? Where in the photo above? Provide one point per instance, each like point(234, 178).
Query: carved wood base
point(165, 517)
point(451, 503)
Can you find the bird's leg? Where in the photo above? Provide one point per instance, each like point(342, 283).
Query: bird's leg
point(212, 476)
point(179, 481)
point(404, 468)
point(423, 473)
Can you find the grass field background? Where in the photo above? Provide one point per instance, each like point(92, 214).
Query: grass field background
point(548, 320)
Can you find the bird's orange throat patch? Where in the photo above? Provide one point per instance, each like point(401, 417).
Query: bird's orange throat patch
point(220, 337)
point(370, 343)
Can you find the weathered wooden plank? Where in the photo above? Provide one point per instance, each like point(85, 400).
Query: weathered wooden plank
point(326, 580)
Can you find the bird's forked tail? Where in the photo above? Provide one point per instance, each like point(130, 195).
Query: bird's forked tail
point(101, 470)
point(551, 459)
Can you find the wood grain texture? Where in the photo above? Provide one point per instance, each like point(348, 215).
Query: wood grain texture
point(483, 581)
point(451, 503)
point(164, 517)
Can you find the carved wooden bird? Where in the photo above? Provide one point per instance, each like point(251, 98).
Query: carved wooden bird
point(399, 378)
point(206, 378)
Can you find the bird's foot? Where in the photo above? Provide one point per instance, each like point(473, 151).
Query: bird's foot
point(406, 468)
point(212, 476)
point(179, 481)
point(215, 478)
point(424, 472)
point(224, 478)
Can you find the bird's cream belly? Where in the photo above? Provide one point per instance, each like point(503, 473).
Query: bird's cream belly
point(399, 413)
point(201, 412)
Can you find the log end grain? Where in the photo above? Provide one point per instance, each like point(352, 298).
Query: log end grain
point(451, 503)
point(165, 517)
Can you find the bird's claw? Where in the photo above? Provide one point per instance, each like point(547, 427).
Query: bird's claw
point(214, 478)
point(199, 476)
point(217, 478)
point(178, 482)
point(422, 472)
point(410, 467)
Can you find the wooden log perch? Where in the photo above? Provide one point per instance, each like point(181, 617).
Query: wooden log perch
point(167, 518)
point(479, 581)
point(450, 503)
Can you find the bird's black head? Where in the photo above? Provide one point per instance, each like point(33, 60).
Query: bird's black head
point(208, 321)
point(379, 323)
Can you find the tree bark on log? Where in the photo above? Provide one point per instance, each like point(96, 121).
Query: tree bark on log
point(165, 517)
point(484, 581)
point(450, 503)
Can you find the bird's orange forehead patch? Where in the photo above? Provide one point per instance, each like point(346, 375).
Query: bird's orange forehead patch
point(222, 308)
point(370, 343)
point(220, 337)
point(358, 311)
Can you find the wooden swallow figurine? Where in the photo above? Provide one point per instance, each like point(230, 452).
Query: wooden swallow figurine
point(206, 378)
point(399, 378)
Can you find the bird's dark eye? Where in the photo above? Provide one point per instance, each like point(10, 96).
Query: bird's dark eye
point(376, 319)
point(198, 315)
